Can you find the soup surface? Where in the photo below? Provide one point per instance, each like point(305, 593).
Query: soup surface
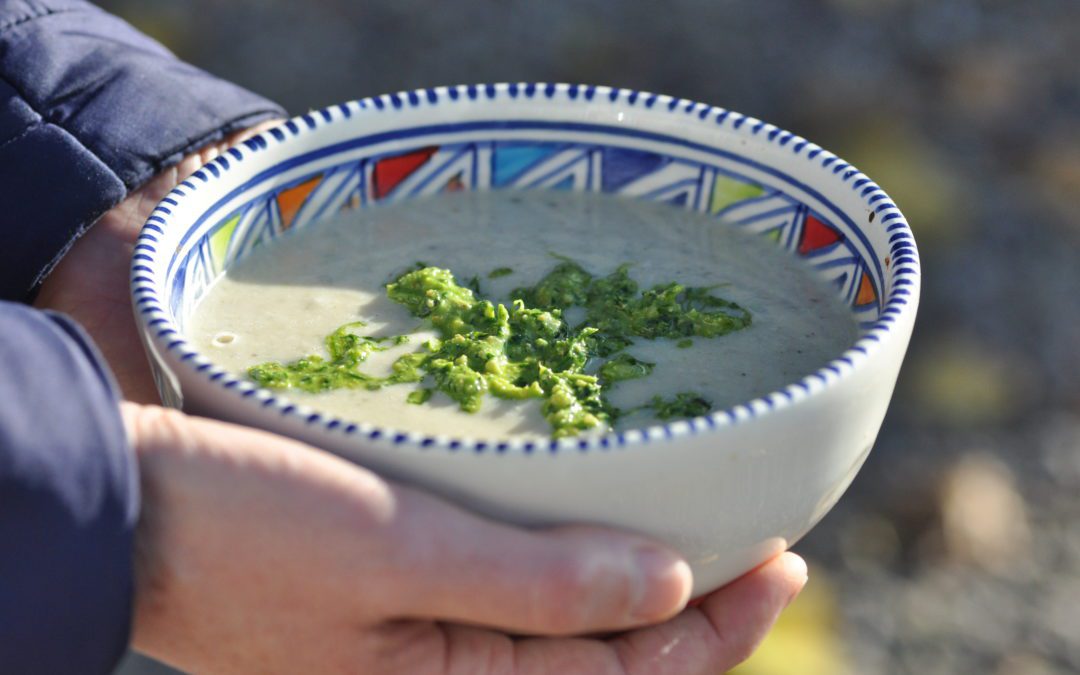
point(281, 302)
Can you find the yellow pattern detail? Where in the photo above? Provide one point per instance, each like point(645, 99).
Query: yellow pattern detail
point(219, 242)
point(727, 191)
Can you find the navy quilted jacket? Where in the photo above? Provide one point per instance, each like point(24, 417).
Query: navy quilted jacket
point(89, 110)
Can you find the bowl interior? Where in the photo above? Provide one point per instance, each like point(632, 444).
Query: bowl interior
point(401, 147)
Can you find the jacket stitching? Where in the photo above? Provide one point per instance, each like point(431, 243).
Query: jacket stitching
point(26, 18)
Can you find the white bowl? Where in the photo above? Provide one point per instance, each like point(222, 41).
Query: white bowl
point(728, 490)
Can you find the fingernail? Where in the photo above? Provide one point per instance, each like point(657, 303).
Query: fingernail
point(797, 572)
point(662, 586)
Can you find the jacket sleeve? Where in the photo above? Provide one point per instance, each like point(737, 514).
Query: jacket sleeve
point(89, 110)
point(68, 501)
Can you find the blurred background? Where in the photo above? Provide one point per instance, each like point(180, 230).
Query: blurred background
point(957, 549)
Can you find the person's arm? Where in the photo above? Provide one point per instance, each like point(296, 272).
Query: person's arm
point(256, 553)
point(91, 109)
point(68, 501)
point(260, 554)
point(256, 550)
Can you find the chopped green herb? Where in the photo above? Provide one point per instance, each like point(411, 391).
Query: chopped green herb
point(500, 272)
point(685, 404)
point(624, 367)
point(565, 286)
point(684, 343)
point(619, 313)
point(420, 396)
point(314, 373)
point(407, 368)
point(573, 402)
point(525, 349)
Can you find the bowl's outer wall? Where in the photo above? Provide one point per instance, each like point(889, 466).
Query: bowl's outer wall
point(727, 499)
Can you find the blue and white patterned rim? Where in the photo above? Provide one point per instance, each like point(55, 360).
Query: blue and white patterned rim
point(904, 272)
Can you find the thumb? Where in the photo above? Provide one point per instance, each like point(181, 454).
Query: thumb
point(460, 567)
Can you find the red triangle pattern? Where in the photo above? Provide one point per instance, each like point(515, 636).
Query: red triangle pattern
point(391, 171)
point(817, 235)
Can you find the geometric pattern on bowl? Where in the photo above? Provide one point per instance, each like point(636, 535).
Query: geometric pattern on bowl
point(718, 190)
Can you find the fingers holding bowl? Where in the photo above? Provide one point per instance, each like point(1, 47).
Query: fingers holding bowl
point(456, 566)
point(712, 638)
point(723, 630)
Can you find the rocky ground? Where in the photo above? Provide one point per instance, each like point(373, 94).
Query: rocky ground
point(957, 549)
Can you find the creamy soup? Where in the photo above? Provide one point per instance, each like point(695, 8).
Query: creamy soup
point(281, 302)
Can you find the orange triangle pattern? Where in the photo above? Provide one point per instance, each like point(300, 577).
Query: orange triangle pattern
point(455, 184)
point(291, 199)
point(866, 294)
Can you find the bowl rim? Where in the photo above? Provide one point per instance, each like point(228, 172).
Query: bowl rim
point(903, 276)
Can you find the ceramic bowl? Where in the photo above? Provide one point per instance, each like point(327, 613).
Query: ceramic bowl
point(728, 490)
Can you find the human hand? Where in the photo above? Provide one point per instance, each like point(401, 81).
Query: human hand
point(90, 283)
point(260, 554)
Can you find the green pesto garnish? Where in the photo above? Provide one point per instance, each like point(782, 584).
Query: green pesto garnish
point(500, 272)
point(619, 312)
point(314, 373)
point(682, 405)
point(524, 349)
point(420, 396)
point(624, 367)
